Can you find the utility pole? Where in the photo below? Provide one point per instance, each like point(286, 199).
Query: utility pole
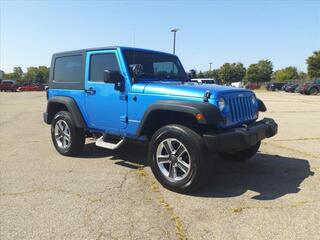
point(210, 63)
point(175, 30)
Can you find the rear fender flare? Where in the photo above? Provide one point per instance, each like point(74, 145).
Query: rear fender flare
point(70, 104)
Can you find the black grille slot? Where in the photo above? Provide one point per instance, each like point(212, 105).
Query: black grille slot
point(240, 108)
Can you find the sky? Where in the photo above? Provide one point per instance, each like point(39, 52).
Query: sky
point(285, 32)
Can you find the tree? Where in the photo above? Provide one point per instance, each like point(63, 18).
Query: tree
point(260, 72)
point(193, 73)
point(37, 75)
point(2, 74)
point(30, 75)
point(288, 73)
point(33, 75)
point(303, 76)
point(313, 63)
point(17, 73)
point(200, 75)
point(43, 75)
point(231, 72)
point(214, 74)
point(9, 76)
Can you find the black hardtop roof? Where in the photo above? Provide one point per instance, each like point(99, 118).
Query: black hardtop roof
point(81, 51)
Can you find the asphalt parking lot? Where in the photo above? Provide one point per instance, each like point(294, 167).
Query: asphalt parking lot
point(113, 195)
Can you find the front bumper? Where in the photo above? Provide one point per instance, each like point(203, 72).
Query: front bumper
point(240, 138)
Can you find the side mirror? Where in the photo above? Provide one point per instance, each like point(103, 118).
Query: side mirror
point(114, 77)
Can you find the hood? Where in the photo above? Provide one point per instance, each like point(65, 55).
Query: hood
point(187, 89)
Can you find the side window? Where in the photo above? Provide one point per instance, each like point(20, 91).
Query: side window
point(68, 69)
point(101, 62)
point(164, 68)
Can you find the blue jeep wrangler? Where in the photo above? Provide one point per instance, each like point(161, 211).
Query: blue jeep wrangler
point(118, 93)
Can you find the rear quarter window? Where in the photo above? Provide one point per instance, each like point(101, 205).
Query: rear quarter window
point(68, 69)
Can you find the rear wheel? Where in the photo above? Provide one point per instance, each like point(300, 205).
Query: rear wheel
point(175, 157)
point(241, 156)
point(67, 138)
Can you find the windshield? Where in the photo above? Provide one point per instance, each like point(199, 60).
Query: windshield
point(156, 66)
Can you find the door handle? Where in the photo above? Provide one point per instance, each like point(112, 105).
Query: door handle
point(90, 91)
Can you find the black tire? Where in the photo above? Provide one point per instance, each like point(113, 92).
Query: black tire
point(313, 91)
point(76, 135)
point(193, 143)
point(243, 155)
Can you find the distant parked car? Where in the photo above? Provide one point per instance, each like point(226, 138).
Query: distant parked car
point(252, 85)
point(44, 87)
point(302, 87)
point(237, 84)
point(268, 86)
point(32, 87)
point(291, 87)
point(203, 80)
point(275, 86)
point(284, 87)
point(8, 85)
point(312, 88)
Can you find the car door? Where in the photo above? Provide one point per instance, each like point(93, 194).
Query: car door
point(105, 106)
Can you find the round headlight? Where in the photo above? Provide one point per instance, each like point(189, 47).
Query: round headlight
point(253, 99)
point(221, 103)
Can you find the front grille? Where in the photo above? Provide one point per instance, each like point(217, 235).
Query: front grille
point(241, 108)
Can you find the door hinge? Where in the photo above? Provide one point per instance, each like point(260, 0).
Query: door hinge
point(124, 119)
point(124, 97)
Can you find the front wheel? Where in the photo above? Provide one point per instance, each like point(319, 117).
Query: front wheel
point(176, 158)
point(241, 156)
point(67, 138)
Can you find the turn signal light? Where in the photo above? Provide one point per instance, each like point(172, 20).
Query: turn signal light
point(199, 116)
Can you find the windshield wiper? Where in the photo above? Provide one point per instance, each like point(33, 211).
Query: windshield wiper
point(174, 77)
point(146, 76)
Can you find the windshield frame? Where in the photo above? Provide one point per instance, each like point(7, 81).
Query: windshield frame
point(182, 73)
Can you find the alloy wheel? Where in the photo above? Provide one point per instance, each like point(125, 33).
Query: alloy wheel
point(173, 159)
point(62, 134)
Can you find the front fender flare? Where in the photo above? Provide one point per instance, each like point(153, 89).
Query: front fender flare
point(261, 106)
point(211, 114)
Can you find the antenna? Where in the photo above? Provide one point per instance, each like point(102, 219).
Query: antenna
point(134, 37)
